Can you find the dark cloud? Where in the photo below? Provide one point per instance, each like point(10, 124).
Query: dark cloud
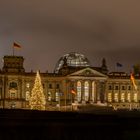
point(47, 29)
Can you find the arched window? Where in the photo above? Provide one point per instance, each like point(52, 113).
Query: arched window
point(13, 84)
point(86, 86)
point(78, 91)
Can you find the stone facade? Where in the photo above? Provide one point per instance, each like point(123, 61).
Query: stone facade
point(91, 86)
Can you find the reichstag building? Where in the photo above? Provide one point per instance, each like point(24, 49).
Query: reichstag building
point(74, 80)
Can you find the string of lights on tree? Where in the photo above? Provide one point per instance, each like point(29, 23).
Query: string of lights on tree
point(37, 100)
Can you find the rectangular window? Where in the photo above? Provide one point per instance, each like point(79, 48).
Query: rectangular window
point(123, 87)
point(128, 97)
point(109, 87)
point(49, 96)
point(27, 95)
point(50, 86)
point(135, 97)
point(116, 99)
point(12, 95)
point(109, 97)
point(129, 87)
point(27, 85)
point(57, 86)
point(0, 93)
point(116, 87)
point(122, 97)
point(57, 96)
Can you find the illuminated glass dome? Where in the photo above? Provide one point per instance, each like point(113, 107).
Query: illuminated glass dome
point(72, 59)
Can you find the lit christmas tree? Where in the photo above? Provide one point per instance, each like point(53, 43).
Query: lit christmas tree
point(37, 100)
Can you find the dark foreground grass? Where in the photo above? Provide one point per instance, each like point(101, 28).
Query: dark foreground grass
point(45, 125)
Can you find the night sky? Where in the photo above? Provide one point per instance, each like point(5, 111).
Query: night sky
point(48, 29)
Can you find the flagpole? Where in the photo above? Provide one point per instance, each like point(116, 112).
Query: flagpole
point(130, 107)
point(13, 51)
point(15, 45)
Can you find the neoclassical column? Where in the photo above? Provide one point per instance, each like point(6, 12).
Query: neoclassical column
point(68, 96)
point(90, 92)
point(83, 91)
point(105, 94)
point(23, 96)
point(22, 92)
point(94, 92)
point(98, 91)
point(102, 91)
point(75, 89)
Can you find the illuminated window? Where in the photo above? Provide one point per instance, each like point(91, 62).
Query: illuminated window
point(49, 96)
point(86, 91)
point(135, 97)
point(93, 91)
point(12, 95)
point(116, 99)
point(57, 96)
point(27, 85)
point(109, 97)
point(27, 95)
point(128, 97)
point(0, 93)
point(79, 91)
point(122, 97)
point(13, 105)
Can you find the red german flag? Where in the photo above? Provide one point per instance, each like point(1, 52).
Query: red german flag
point(133, 81)
point(73, 92)
point(15, 45)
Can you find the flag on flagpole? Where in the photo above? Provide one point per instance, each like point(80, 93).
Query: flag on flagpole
point(118, 64)
point(73, 92)
point(15, 45)
point(133, 81)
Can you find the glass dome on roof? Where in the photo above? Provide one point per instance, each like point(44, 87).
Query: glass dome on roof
point(73, 59)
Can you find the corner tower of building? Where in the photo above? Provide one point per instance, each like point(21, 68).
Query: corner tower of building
point(13, 64)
